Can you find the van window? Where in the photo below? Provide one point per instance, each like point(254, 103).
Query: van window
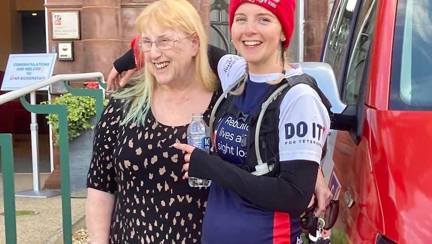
point(412, 57)
point(338, 39)
point(357, 63)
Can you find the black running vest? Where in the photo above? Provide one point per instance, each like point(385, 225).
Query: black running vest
point(268, 128)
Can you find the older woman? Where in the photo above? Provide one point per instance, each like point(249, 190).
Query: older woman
point(136, 193)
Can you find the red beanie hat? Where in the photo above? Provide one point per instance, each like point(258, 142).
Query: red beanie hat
point(283, 9)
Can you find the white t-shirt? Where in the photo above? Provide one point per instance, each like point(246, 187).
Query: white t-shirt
point(304, 122)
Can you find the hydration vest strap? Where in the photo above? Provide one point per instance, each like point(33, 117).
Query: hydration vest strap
point(263, 168)
point(220, 99)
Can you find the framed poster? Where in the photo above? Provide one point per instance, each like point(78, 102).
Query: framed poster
point(65, 25)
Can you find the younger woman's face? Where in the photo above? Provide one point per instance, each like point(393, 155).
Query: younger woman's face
point(257, 34)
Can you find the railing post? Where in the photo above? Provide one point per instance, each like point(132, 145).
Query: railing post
point(65, 176)
point(61, 111)
point(6, 157)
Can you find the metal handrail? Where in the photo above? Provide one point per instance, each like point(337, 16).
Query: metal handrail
point(12, 95)
point(6, 159)
point(6, 153)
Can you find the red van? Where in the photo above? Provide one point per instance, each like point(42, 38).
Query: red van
point(380, 168)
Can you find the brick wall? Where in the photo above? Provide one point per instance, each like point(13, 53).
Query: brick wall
point(107, 26)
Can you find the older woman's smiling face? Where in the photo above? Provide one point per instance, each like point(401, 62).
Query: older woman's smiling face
point(169, 54)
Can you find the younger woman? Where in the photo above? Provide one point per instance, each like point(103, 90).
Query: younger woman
point(246, 203)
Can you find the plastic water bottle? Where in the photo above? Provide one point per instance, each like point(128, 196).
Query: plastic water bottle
point(198, 135)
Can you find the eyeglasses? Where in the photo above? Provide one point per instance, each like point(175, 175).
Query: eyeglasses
point(161, 44)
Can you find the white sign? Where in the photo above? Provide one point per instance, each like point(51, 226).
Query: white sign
point(65, 51)
point(25, 69)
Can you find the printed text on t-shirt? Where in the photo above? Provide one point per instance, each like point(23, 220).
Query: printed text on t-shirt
point(303, 132)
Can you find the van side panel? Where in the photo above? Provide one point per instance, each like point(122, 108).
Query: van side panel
point(352, 166)
point(402, 164)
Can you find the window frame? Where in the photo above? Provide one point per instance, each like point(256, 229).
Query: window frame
point(359, 31)
point(332, 33)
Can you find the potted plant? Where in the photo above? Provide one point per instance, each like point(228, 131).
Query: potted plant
point(80, 117)
point(81, 109)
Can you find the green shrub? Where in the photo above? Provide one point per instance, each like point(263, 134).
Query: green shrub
point(81, 109)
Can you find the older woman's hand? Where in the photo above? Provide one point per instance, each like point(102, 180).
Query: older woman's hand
point(187, 150)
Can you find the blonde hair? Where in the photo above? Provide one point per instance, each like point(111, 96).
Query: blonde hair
point(173, 15)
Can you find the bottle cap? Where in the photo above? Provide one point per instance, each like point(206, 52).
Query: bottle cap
point(197, 115)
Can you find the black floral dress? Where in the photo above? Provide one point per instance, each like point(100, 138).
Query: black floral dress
point(136, 163)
